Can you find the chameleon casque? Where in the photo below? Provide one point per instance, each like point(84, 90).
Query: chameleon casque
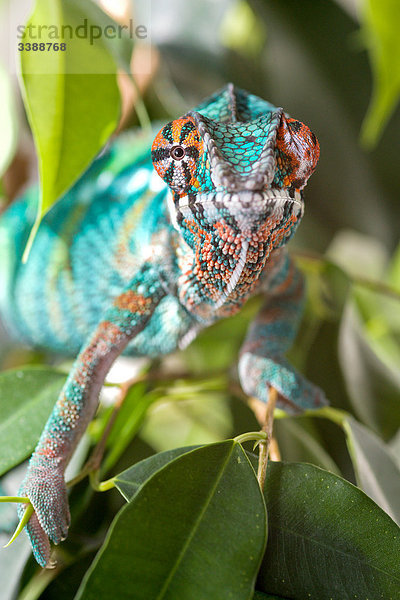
point(125, 262)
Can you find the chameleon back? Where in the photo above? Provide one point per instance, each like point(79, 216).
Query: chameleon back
point(87, 248)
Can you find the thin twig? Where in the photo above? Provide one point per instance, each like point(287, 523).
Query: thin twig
point(274, 452)
point(24, 521)
point(267, 428)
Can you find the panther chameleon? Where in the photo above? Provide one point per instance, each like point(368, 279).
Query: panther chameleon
point(128, 262)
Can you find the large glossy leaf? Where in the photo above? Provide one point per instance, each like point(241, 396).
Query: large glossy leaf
point(326, 538)
point(129, 481)
point(195, 530)
point(27, 396)
point(71, 97)
point(262, 596)
point(374, 463)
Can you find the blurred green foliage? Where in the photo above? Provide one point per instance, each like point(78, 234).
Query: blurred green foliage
point(380, 32)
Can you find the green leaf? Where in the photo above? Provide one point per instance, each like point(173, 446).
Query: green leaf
point(377, 305)
point(27, 396)
point(372, 385)
point(128, 421)
point(298, 440)
point(119, 46)
point(71, 98)
point(8, 122)
point(394, 269)
point(188, 533)
point(326, 538)
point(242, 31)
point(394, 446)
point(375, 464)
point(12, 563)
point(200, 417)
point(381, 34)
point(376, 469)
point(328, 286)
point(336, 287)
point(262, 596)
point(129, 481)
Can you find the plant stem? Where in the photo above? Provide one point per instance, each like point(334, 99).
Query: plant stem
point(19, 499)
point(140, 108)
point(24, 521)
point(251, 436)
point(101, 486)
point(265, 445)
point(274, 452)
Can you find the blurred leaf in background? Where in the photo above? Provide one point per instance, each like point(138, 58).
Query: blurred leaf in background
point(380, 33)
point(8, 121)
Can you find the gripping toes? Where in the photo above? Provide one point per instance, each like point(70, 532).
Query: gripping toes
point(259, 373)
point(39, 540)
point(48, 495)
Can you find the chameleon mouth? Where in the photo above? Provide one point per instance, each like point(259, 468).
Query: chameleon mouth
point(259, 203)
point(250, 218)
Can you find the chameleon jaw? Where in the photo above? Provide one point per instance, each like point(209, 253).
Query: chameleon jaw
point(246, 206)
point(246, 199)
point(233, 233)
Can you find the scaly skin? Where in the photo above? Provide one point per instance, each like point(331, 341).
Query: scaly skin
point(128, 263)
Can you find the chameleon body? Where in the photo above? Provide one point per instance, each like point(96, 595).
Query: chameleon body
point(128, 262)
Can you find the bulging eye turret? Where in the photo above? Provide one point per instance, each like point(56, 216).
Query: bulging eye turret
point(297, 153)
point(175, 152)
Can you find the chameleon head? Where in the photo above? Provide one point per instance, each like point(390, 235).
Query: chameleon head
point(236, 167)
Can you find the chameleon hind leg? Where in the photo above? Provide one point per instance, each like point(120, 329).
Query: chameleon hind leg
point(44, 482)
point(262, 364)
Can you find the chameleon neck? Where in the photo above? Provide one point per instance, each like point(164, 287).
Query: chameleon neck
point(223, 270)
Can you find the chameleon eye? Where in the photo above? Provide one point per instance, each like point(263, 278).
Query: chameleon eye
point(177, 152)
point(297, 153)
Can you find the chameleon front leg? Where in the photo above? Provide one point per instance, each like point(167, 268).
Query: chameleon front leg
point(262, 364)
point(44, 483)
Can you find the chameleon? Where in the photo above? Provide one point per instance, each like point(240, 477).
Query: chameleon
point(148, 248)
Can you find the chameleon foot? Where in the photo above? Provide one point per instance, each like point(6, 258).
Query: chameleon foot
point(39, 540)
point(48, 495)
point(258, 374)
